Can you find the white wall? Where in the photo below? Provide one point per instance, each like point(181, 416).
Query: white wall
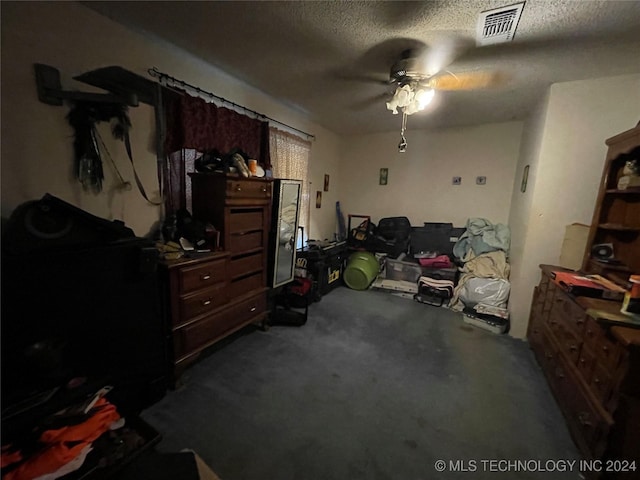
point(566, 150)
point(419, 185)
point(37, 152)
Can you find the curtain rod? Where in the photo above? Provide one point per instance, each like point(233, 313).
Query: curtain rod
point(154, 72)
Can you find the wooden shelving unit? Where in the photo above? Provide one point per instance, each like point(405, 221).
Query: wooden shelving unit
point(616, 217)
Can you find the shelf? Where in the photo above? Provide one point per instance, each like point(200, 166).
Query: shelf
point(618, 227)
point(609, 266)
point(628, 191)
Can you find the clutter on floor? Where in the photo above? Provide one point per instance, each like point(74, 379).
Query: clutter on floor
point(321, 262)
point(291, 303)
point(464, 269)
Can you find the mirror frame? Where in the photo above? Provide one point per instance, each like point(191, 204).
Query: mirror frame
point(276, 219)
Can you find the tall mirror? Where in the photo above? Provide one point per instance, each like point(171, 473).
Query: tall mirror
point(284, 228)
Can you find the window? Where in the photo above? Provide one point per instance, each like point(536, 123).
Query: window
point(290, 159)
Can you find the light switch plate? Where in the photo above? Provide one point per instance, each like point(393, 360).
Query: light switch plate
point(456, 180)
point(481, 180)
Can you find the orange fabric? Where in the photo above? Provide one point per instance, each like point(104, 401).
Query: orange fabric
point(66, 443)
point(9, 457)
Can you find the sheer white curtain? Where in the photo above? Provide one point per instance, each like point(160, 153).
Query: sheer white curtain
point(290, 159)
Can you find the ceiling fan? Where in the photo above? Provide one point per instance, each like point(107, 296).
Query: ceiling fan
point(420, 71)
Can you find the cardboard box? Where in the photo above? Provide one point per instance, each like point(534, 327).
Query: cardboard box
point(574, 245)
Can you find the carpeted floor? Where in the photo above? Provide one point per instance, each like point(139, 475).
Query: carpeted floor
point(374, 386)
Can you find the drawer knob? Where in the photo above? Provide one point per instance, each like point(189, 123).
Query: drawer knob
point(596, 380)
point(238, 188)
point(264, 189)
point(206, 302)
point(605, 348)
point(206, 276)
point(573, 348)
point(253, 309)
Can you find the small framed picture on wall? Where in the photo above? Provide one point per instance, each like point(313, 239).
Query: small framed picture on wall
point(384, 176)
point(525, 179)
point(326, 182)
point(318, 199)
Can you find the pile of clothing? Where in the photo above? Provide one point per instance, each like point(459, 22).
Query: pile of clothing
point(483, 288)
point(89, 434)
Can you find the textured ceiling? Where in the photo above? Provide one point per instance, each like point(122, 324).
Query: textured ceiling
point(328, 58)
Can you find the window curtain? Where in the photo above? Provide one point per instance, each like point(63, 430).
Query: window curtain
point(195, 125)
point(290, 159)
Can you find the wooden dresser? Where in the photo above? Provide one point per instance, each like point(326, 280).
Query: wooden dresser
point(240, 208)
point(592, 365)
point(201, 309)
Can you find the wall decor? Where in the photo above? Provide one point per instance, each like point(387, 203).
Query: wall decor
point(318, 199)
point(326, 182)
point(384, 176)
point(525, 177)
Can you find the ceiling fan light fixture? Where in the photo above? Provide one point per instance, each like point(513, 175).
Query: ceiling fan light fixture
point(410, 98)
point(423, 97)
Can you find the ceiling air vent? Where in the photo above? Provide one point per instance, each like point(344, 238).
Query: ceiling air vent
point(498, 25)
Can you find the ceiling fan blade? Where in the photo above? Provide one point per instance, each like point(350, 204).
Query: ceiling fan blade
point(362, 78)
point(466, 81)
point(443, 53)
point(370, 102)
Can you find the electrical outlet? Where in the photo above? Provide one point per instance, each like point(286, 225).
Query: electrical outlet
point(456, 180)
point(481, 180)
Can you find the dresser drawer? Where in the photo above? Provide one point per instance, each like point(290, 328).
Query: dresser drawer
point(202, 302)
point(243, 220)
point(240, 188)
point(586, 361)
point(548, 354)
point(606, 351)
point(245, 242)
point(601, 383)
point(534, 331)
point(199, 335)
point(570, 345)
point(244, 285)
point(201, 276)
point(247, 264)
point(555, 326)
point(588, 424)
point(573, 314)
point(549, 296)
